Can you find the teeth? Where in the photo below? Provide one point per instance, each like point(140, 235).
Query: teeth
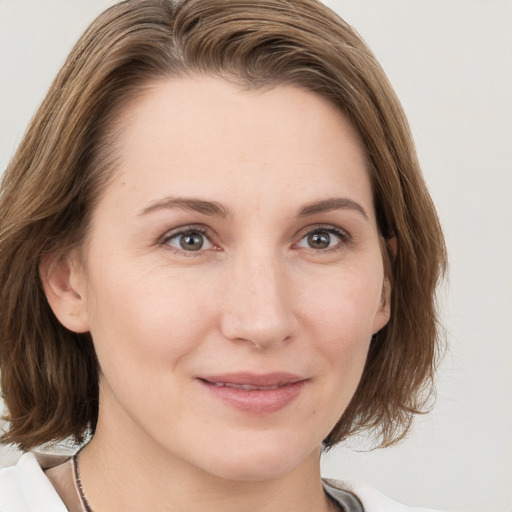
point(245, 387)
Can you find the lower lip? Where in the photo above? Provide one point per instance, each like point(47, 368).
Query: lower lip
point(257, 401)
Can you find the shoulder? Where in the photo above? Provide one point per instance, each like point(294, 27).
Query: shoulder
point(371, 499)
point(25, 488)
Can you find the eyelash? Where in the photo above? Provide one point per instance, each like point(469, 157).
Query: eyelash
point(343, 235)
point(187, 230)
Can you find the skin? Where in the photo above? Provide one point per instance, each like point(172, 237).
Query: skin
point(257, 297)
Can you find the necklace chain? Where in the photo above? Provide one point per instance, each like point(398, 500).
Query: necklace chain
point(83, 499)
point(88, 508)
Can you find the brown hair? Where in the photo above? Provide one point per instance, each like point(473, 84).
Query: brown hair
point(49, 374)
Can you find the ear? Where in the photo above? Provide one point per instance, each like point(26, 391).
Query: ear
point(62, 284)
point(384, 313)
point(391, 245)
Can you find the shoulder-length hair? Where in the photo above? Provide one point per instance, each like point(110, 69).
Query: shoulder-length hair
point(49, 375)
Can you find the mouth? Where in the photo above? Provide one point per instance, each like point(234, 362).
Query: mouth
point(245, 387)
point(255, 393)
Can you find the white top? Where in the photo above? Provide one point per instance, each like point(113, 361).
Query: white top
point(25, 488)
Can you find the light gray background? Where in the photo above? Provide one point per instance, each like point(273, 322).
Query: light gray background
point(449, 61)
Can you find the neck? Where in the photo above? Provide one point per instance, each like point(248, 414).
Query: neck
point(127, 471)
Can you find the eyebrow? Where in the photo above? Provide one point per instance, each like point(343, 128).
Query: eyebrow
point(212, 208)
point(216, 209)
point(329, 205)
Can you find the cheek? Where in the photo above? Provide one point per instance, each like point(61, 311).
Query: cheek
point(344, 304)
point(341, 336)
point(150, 317)
point(341, 320)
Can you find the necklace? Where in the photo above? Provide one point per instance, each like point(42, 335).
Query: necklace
point(88, 508)
point(83, 499)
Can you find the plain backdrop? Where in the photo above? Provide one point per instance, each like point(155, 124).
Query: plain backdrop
point(450, 62)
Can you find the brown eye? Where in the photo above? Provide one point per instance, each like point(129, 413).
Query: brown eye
point(189, 241)
point(322, 239)
point(319, 240)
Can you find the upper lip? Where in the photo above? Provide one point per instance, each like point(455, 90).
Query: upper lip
point(276, 379)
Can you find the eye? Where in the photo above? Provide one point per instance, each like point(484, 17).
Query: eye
point(323, 238)
point(191, 240)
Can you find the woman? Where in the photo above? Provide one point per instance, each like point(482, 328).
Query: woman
point(217, 259)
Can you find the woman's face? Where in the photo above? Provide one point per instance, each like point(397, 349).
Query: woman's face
point(232, 276)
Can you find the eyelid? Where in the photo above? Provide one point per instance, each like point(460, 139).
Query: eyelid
point(186, 229)
point(180, 230)
point(343, 234)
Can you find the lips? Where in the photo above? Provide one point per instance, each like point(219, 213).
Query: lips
point(255, 393)
point(246, 387)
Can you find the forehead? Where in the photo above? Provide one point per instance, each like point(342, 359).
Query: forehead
point(211, 136)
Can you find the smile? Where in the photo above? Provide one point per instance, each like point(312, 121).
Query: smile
point(245, 387)
point(255, 394)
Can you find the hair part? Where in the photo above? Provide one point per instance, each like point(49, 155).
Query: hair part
point(49, 375)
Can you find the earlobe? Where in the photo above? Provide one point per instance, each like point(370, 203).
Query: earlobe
point(391, 244)
point(58, 275)
point(385, 301)
point(389, 251)
point(384, 313)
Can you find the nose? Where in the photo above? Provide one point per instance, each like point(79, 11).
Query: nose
point(257, 303)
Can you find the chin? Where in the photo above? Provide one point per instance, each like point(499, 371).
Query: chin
point(258, 461)
point(249, 471)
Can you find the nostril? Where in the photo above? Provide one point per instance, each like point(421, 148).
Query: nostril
point(257, 309)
